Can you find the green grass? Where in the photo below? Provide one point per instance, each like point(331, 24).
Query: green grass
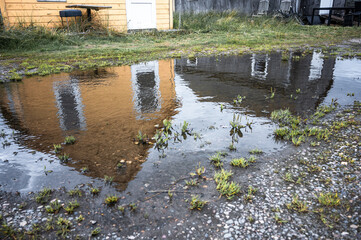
point(71, 206)
point(250, 193)
point(329, 199)
point(297, 205)
point(53, 207)
point(43, 196)
point(39, 51)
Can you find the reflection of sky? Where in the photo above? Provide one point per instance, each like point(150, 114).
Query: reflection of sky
point(203, 116)
point(347, 79)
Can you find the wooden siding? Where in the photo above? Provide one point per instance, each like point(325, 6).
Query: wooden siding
point(47, 13)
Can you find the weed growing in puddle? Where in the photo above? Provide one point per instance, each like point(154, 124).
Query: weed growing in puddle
point(191, 182)
point(142, 138)
point(69, 140)
point(95, 231)
point(240, 162)
point(226, 188)
point(121, 208)
point(282, 132)
point(94, 190)
point(108, 179)
point(252, 159)
point(75, 192)
point(222, 107)
point(63, 226)
point(43, 196)
point(231, 147)
point(273, 92)
point(64, 158)
point(197, 203)
point(132, 207)
point(53, 207)
point(111, 200)
point(238, 100)
point(71, 206)
point(80, 218)
point(200, 170)
point(170, 195)
point(161, 139)
point(298, 140)
point(216, 159)
point(236, 123)
point(185, 127)
point(222, 175)
point(167, 125)
point(256, 151)
point(57, 148)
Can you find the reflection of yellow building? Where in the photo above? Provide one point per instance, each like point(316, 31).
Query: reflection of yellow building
point(104, 111)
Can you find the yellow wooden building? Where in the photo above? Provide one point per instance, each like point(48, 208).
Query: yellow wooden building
point(122, 16)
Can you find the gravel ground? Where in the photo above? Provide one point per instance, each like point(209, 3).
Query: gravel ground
point(285, 205)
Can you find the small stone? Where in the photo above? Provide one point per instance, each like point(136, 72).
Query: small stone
point(23, 223)
point(354, 226)
point(229, 222)
point(344, 233)
point(227, 235)
point(93, 222)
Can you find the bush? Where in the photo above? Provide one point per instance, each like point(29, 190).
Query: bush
point(228, 21)
point(31, 37)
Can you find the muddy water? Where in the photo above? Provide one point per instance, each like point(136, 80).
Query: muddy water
point(105, 108)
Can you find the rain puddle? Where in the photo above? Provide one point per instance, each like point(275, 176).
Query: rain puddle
point(106, 108)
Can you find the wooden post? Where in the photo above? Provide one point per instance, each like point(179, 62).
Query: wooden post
point(171, 9)
point(4, 14)
point(180, 15)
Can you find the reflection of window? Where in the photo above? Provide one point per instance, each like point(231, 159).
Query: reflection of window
point(316, 66)
point(259, 66)
point(145, 81)
point(69, 103)
point(289, 68)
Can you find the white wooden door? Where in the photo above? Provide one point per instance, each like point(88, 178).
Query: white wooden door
point(325, 3)
point(141, 14)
